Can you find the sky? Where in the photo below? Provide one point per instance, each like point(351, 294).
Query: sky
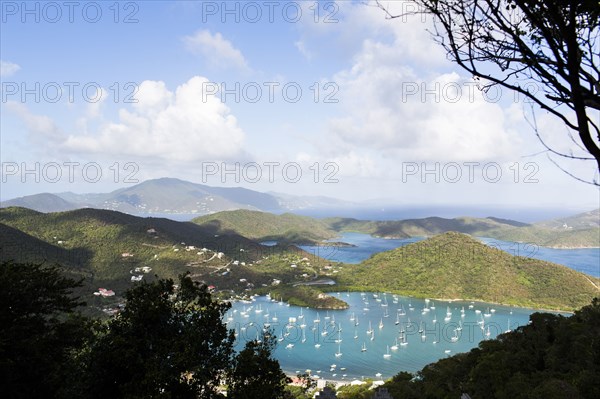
point(299, 97)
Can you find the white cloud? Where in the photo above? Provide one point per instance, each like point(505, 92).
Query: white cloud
point(8, 68)
point(417, 113)
point(40, 126)
point(301, 46)
point(186, 125)
point(217, 50)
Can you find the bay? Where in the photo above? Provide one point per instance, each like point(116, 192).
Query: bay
point(306, 344)
point(585, 260)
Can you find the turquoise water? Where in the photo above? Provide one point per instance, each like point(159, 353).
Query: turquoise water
point(440, 338)
point(421, 349)
point(584, 260)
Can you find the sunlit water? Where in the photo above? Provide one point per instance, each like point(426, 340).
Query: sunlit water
point(585, 260)
point(306, 344)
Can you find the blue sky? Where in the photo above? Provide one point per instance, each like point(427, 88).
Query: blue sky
point(371, 133)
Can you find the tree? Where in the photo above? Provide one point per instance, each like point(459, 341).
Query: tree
point(39, 330)
point(255, 374)
point(543, 50)
point(167, 342)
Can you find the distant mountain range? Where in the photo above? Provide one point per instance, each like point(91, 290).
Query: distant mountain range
point(173, 196)
point(577, 231)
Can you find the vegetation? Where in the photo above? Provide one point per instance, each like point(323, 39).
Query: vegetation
point(306, 296)
point(552, 357)
point(255, 374)
point(545, 51)
point(581, 230)
point(263, 226)
point(39, 331)
point(168, 341)
point(455, 266)
point(106, 247)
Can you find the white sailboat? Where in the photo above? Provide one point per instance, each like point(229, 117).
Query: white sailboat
point(387, 353)
point(381, 323)
point(401, 311)
point(364, 347)
point(339, 352)
point(339, 338)
point(370, 330)
point(395, 346)
point(303, 336)
point(455, 337)
point(397, 319)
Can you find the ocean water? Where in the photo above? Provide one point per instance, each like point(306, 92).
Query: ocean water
point(584, 260)
point(299, 333)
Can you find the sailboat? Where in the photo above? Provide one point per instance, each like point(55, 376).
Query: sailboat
point(397, 319)
point(508, 327)
point(339, 352)
point(385, 302)
point(487, 331)
point(303, 336)
point(432, 307)
point(387, 354)
point(370, 330)
point(356, 321)
point(395, 346)
point(459, 328)
point(403, 340)
point(364, 347)
point(275, 316)
point(385, 313)
point(421, 327)
point(455, 338)
point(301, 316)
point(401, 311)
point(317, 320)
point(352, 317)
point(372, 335)
point(339, 338)
point(381, 323)
point(487, 313)
point(355, 333)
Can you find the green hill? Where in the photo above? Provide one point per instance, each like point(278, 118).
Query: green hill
point(579, 231)
point(455, 266)
point(263, 226)
point(107, 248)
point(421, 227)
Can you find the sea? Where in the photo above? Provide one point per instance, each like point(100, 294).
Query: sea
point(381, 334)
